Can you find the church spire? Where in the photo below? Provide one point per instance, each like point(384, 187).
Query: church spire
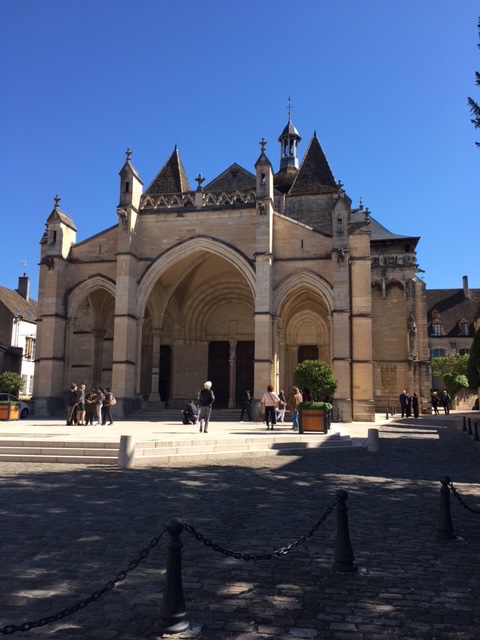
point(289, 140)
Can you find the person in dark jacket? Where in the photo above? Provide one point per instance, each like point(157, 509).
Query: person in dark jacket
point(71, 400)
point(246, 405)
point(415, 405)
point(190, 413)
point(205, 402)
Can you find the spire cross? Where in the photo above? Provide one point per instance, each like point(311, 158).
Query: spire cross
point(200, 179)
point(289, 107)
point(56, 200)
point(262, 144)
point(128, 153)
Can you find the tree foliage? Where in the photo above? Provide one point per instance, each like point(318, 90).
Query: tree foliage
point(473, 369)
point(317, 377)
point(11, 382)
point(453, 370)
point(474, 106)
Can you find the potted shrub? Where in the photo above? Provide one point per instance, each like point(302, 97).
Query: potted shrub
point(10, 382)
point(318, 378)
point(9, 410)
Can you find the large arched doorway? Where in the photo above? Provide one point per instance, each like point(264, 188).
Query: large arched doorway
point(198, 325)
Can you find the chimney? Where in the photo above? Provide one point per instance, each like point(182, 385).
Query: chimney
point(24, 286)
point(466, 292)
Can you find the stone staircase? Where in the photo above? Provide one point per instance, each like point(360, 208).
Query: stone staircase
point(166, 452)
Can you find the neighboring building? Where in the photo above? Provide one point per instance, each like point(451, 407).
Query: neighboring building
point(453, 318)
point(236, 282)
point(18, 332)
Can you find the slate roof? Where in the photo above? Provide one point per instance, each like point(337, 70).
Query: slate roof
point(171, 178)
point(314, 174)
point(17, 304)
point(379, 232)
point(453, 307)
point(58, 213)
point(233, 178)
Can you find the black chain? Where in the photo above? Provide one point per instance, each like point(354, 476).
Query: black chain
point(27, 626)
point(461, 501)
point(262, 556)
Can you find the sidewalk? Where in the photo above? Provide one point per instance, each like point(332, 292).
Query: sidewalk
point(66, 531)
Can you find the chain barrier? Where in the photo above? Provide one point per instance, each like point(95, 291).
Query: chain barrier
point(461, 501)
point(262, 556)
point(27, 626)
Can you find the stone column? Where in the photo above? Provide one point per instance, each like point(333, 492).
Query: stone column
point(68, 346)
point(232, 362)
point(154, 394)
point(98, 338)
point(138, 371)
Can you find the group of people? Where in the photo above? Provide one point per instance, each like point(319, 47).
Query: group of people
point(444, 399)
point(274, 406)
point(83, 407)
point(200, 412)
point(409, 404)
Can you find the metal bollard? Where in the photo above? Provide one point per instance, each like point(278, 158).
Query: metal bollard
point(386, 415)
point(477, 438)
point(343, 555)
point(173, 614)
point(126, 453)
point(464, 423)
point(470, 432)
point(373, 442)
point(445, 524)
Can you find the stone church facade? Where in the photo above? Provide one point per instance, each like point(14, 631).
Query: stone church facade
point(234, 281)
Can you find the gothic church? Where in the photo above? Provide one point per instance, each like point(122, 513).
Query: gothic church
point(234, 281)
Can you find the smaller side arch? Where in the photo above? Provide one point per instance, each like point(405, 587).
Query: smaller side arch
point(302, 278)
point(81, 291)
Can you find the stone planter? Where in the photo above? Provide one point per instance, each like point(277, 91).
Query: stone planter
point(9, 411)
point(314, 420)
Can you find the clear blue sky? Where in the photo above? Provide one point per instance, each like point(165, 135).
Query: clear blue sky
point(384, 84)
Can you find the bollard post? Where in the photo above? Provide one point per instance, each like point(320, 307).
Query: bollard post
point(464, 423)
point(386, 415)
point(343, 554)
point(470, 432)
point(477, 438)
point(445, 524)
point(126, 453)
point(173, 613)
point(373, 442)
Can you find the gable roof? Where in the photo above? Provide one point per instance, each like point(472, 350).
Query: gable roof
point(453, 307)
point(314, 174)
point(18, 306)
point(171, 178)
point(63, 217)
point(233, 178)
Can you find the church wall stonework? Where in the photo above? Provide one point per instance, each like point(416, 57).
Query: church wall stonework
point(235, 282)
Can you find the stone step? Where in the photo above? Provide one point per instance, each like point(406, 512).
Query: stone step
point(167, 451)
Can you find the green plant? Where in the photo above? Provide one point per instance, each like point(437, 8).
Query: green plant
point(12, 403)
point(473, 368)
point(313, 404)
point(317, 377)
point(453, 370)
point(11, 382)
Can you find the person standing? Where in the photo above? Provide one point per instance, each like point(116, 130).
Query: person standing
point(404, 403)
point(445, 400)
point(90, 409)
point(282, 407)
point(107, 403)
point(71, 399)
point(435, 401)
point(295, 399)
point(270, 401)
point(246, 405)
point(415, 405)
point(80, 408)
point(99, 404)
point(205, 402)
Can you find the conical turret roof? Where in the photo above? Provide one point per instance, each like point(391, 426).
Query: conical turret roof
point(314, 174)
point(171, 178)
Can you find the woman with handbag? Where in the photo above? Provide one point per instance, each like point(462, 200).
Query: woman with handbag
point(282, 407)
point(270, 401)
